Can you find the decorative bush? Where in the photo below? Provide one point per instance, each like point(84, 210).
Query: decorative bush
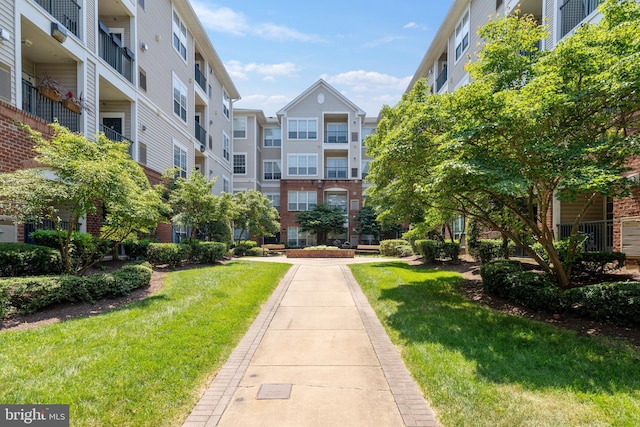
point(243, 248)
point(322, 248)
point(85, 248)
point(21, 259)
point(495, 276)
point(208, 252)
point(255, 252)
point(486, 250)
point(390, 247)
point(617, 302)
point(29, 294)
point(404, 251)
point(168, 253)
point(137, 249)
point(429, 249)
point(599, 263)
point(450, 250)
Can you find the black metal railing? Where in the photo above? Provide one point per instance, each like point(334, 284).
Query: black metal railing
point(573, 12)
point(336, 173)
point(67, 12)
point(114, 53)
point(441, 79)
point(599, 234)
point(47, 109)
point(116, 136)
point(200, 79)
point(336, 137)
point(45, 224)
point(201, 134)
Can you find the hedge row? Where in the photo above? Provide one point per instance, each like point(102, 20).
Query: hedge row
point(436, 249)
point(176, 253)
point(395, 247)
point(616, 302)
point(29, 294)
point(21, 259)
point(84, 248)
point(487, 250)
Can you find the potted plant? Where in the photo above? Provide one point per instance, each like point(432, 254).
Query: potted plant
point(72, 103)
point(50, 88)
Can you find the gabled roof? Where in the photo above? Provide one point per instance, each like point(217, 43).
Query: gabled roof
point(329, 88)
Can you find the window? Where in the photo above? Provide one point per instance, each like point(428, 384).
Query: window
point(272, 170)
point(240, 127)
point(336, 133)
point(302, 164)
point(180, 161)
point(272, 137)
point(337, 200)
point(462, 35)
point(303, 128)
point(179, 36)
point(141, 3)
point(302, 200)
point(225, 184)
point(365, 168)
point(226, 146)
point(240, 164)
point(142, 153)
point(336, 169)
point(297, 238)
point(142, 79)
point(366, 132)
point(275, 200)
point(179, 99)
point(226, 104)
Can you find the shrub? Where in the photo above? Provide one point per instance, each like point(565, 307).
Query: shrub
point(390, 247)
point(429, 249)
point(137, 249)
point(21, 259)
point(29, 294)
point(243, 248)
point(487, 250)
point(617, 302)
point(208, 252)
point(495, 276)
point(450, 250)
point(168, 253)
point(534, 290)
point(405, 250)
point(255, 252)
point(599, 263)
point(84, 248)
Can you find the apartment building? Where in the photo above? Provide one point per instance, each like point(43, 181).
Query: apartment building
point(311, 152)
point(145, 72)
point(611, 224)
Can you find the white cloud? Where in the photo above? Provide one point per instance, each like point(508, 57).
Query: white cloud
point(413, 25)
point(241, 71)
point(368, 81)
point(382, 40)
point(226, 20)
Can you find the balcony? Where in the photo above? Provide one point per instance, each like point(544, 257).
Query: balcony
point(67, 12)
point(200, 134)
point(336, 137)
point(48, 110)
point(45, 224)
point(441, 79)
point(115, 136)
point(599, 234)
point(573, 12)
point(336, 173)
point(111, 50)
point(200, 79)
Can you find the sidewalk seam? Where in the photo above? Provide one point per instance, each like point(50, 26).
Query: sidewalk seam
point(218, 395)
point(413, 407)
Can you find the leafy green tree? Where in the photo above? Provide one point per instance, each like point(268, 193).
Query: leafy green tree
point(252, 212)
point(77, 178)
point(368, 223)
point(530, 127)
point(323, 219)
point(193, 203)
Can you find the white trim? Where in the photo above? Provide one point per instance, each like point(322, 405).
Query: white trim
point(246, 128)
point(468, 27)
point(307, 155)
point(289, 119)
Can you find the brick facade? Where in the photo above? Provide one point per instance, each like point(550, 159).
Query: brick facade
point(625, 208)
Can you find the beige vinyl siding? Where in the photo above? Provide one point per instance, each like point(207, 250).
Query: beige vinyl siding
point(7, 50)
point(91, 94)
point(569, 211)
point(89, 23)
point(551, 13)
point(630, 235)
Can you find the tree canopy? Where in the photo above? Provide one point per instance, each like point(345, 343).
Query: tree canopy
point(252, 212)
point(323, 219)
point(530, 126)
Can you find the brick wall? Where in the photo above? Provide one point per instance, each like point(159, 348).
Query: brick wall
point(16, 149)
point(627, 207)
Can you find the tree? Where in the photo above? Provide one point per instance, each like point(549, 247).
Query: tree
point(193, 204)
point(530, 127)
point(77, 178)
point(368, 223)
point(323, 219)
point(253, 213)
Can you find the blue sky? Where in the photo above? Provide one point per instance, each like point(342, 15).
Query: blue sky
point(275, 50)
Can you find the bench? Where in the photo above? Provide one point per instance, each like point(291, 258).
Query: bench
point(368, 249)
point(272, 248)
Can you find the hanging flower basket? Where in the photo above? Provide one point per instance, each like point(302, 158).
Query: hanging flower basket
point(50, 88)
point(49, 93)
point(70, 105)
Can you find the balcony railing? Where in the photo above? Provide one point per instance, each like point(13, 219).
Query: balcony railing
point(336, 137)
point(599, 234)
point(336, 173)
point(573, 12)
point(116, 136)
point(201, 134)
point(111, 50)
point(200, 79)
point(441, 79)
point(67, 12)
point(45, 224)
point(33, 102)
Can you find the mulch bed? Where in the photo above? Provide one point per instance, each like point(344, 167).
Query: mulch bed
point(472, 288)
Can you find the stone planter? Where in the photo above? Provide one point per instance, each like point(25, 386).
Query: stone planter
point(331, 253)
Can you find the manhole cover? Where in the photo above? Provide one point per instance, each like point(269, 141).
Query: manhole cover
point(274, 391)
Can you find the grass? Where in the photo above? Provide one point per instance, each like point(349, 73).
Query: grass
point(144, 364)
point(484, 368)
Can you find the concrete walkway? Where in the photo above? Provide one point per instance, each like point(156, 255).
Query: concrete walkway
point(315, 356)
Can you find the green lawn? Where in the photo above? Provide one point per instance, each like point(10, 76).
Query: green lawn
point(144, 364)
point(478, 367)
